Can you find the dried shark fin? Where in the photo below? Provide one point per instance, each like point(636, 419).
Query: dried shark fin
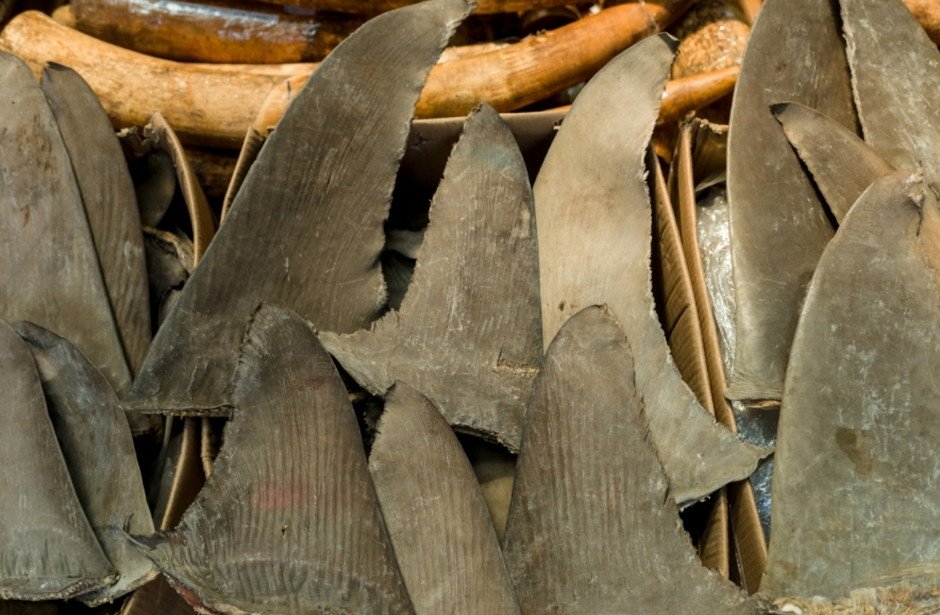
point(50, 272)
point(96, 442)
point(49, 549)
point(592, 527)
point(468, 332)
point(896, 80)
point(599, 252)
point(778, 225)
point(437, 519)
point(842, 165)
point(316, 197)
point(288, 522)
point(109, 200)
point(858, 481)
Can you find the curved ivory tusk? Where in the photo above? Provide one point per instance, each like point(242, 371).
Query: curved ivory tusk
point(209, 31)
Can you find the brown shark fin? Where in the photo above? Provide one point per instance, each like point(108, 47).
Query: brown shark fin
point(316, 199)
point(896, 80)
point(437, 519)
point(599, 253)
point(49, 549)
point(288, 521)
point(96, 441)
point(842, 165)
point(467, 333)
point(592, 526)
point(795, 53)
point(857, 468)
point(109, 201)
point(51, 274)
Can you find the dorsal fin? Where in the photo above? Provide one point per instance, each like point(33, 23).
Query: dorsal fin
point(594, 223)
point(315, 201)
point(795, 53)
point(857, 468)
point(109, 203)
point(96, 442)
point(438, 521)
point(842, 165)
point(288, 520)
point(50, 273)
point(49, 549)
point(896, 79)
point(468, 332)
point(592, 527)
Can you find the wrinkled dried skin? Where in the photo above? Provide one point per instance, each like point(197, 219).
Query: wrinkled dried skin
point(858, 461)
point(468, 333)
point(49, 549)
point(778, 226)
point(110, 205)
point(50, 274)
point(599, 252)
point(437, 520)
point(316, 199)
point(96, 442)
point(842, 165)
point(592, 527)
point(288, 522)
point(896, 79)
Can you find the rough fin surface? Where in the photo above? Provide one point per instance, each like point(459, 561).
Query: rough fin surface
point(594, 223)
point(288, 521)
point(467, 333)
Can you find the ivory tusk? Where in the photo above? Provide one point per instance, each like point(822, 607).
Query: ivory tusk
point(211, 31)
point(696, 91)
point(544, 64)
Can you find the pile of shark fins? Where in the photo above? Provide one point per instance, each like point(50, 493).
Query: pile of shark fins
point(76, 264)
point(846, 225)
point(519, 422)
